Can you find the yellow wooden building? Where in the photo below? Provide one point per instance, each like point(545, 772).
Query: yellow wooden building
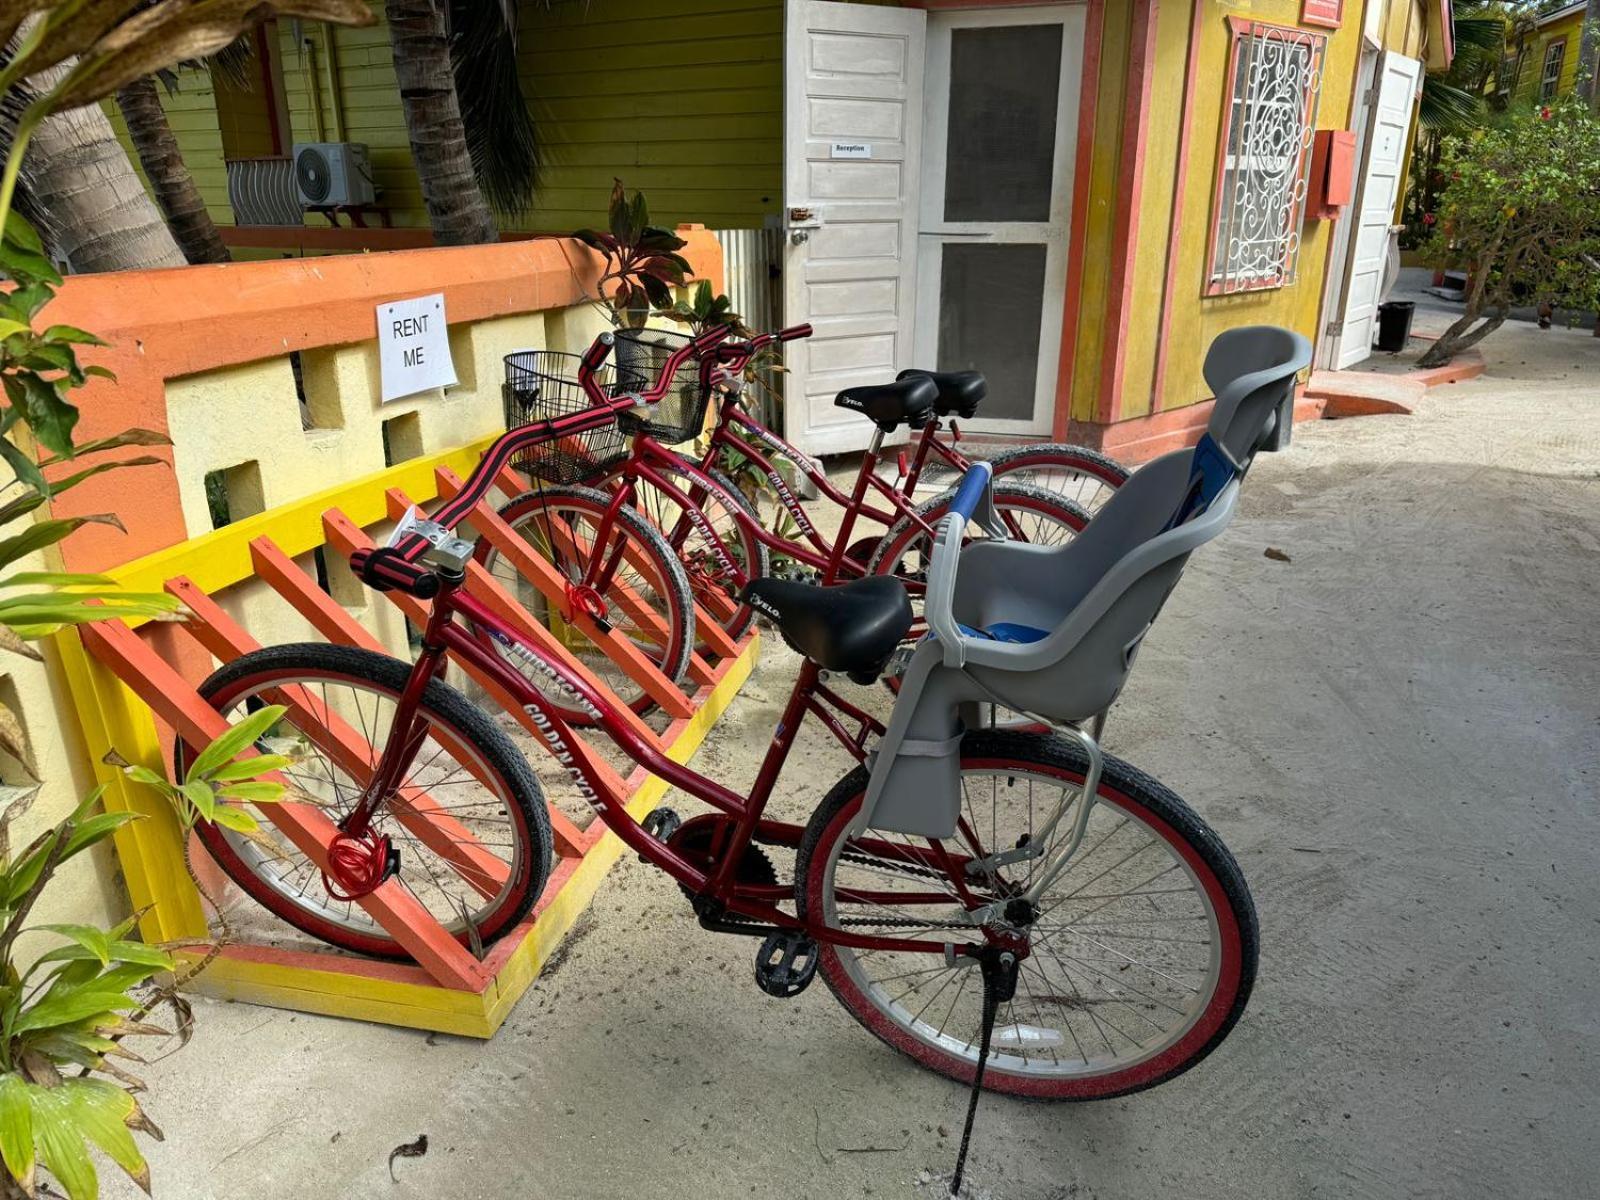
point(1074, 197)
point(1543, 56)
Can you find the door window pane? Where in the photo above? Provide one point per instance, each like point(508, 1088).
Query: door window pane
point(991, 299)
point(1000, 152)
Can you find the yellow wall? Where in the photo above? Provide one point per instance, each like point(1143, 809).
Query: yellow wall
point(1531, 68)
point(1195, 318)
point(680, 98)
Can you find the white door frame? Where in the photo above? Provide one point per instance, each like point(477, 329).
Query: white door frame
point(1336, 287)
point(1055, 233)
point(850, 207)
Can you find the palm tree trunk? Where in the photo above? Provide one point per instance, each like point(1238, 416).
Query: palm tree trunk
point(97, 214)
point(163, 164)
point(456, 207)
point(1588, 52)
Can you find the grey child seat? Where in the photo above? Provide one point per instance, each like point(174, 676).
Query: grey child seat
point(1053, 630)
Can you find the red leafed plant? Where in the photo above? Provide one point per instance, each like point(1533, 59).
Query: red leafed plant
point(642, 265)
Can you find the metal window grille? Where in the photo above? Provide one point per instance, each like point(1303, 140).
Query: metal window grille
point(1270, 121)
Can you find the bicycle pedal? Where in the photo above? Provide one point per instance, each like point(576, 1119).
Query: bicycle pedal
point(661, 824)
point(786, 964)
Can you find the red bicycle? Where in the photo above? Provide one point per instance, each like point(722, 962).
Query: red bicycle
point(708, 523)
point(1128, 964)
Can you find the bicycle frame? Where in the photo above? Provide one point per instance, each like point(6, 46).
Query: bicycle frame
point(718, 888)
point(737, 430)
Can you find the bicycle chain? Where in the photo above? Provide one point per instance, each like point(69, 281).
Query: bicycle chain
point(899, 922)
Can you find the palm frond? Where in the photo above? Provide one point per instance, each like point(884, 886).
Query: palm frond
point(1446, 108)
point(501, 136)
point(1477, 30)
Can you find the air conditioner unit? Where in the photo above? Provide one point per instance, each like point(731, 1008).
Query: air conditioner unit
point(332, 173)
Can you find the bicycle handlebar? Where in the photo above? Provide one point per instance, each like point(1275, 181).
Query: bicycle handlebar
point(972, 503)
point(396, 567)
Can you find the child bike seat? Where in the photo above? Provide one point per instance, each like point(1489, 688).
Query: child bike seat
point(960, 392)
point(853, 627)
point(1053, 630)
point(889, 404)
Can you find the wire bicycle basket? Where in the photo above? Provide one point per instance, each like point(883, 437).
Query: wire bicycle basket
point(640, 356)
point(542, 385)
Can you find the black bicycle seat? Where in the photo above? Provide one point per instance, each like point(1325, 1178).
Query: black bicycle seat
point(888, 404)
point(960, 392)
point(853, 627)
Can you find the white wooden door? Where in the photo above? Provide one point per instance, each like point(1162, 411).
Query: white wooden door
point(852, 140)
point(1382, 173)
point(999, 134)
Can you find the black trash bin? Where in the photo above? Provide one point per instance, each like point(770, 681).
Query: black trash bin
point(1394, 325)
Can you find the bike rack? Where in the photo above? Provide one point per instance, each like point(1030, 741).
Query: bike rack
point(135, 689)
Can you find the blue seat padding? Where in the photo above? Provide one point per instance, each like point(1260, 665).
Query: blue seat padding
point(1007, 631)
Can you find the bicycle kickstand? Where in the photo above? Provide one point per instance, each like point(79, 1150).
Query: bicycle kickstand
point(1000, 968)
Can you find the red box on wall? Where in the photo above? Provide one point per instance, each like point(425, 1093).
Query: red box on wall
point(1333, 174)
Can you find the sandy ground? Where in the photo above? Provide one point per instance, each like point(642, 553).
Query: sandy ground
point(1396, 731)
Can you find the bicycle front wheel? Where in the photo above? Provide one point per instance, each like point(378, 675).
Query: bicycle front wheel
point(1141, 954)
point(469, 819)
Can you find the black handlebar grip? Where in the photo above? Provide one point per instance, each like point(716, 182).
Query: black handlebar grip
point(794, 331)
point(385, 569)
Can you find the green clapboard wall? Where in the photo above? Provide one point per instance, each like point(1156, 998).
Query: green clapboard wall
point(680, 98)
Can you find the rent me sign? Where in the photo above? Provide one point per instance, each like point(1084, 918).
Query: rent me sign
point(413, 347)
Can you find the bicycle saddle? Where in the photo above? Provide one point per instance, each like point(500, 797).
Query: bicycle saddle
point(853, 627)
point(888, 404)
point(960, 392)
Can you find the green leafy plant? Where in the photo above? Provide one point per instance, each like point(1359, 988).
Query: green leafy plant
point(642, 263)
point(702, 308)
point(1520, 214)
point(71, 1007)
point(67, 1010)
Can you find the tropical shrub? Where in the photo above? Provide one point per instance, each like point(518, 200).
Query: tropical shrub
point(1520, 214)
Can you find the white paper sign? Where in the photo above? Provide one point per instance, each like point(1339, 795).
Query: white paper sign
point(413, 347)
point(850, 150)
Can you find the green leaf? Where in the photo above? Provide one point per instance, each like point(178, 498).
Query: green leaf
point(202, 797)
point(96, 829)
point(91, 939)
point(9, 327)
point(128, 437)
point(49, 416)
point(146, 776)
point(16, 1128)
point(619, 213)
point(249, 768)
point(61, 1145)
point(27, 300)
point(235, 819)
point(121, 951)
point(21, 877)
point(44, 533)
point(245, 733)
point(70, 333)
point(60, 579)
point(19, 232)
point(25, 266)
point(103, 1112)
point(264, 792)
point(28, 472)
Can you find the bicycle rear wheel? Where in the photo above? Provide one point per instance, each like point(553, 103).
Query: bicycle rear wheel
point(714, 581)
point(646, 598)
point(1141, 954)
point(1084, 476)
point(477, 861)
point(1032, 514)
